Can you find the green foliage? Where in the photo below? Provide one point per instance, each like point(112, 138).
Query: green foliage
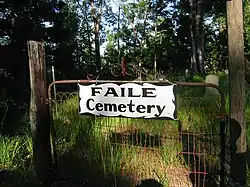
point(162, 38)
point(10, 153)
point(246, 18)
point(85, 139)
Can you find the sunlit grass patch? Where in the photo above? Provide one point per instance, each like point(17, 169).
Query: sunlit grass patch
point(16, 160)
point(117, 145)
point(10, 152)
point(136, 148)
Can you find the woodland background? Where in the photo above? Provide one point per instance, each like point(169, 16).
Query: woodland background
point(81, 37)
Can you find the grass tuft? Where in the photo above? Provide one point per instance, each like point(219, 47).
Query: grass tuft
point(123, 152)
point(10, 157)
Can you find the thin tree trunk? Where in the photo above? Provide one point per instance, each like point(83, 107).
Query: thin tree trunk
point(145, 24)
point(135, 37)
point(200, 37)
point(118, 28)
point(97, 20)
point(155, 56)
point(143, 36)
point(89, 37)
point(192, 35)
point(97, 48)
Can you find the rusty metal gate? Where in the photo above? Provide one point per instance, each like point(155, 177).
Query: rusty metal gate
point(114, 151)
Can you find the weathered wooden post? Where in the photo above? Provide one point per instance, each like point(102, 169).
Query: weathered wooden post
point(237, 90)
point(39, 114)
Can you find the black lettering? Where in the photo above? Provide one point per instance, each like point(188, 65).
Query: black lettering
point(139, 108)
point(121, 107)
point(146, 92)
point(110, 107)
point(87, 104)
point(160, 110)
point(149, 107)
point(99, 107)
point(111, 91)
point(122, 92)
point(130, 93)
point(94, 90)
point(130, 105)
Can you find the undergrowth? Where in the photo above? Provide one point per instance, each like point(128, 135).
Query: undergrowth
point(122, 151)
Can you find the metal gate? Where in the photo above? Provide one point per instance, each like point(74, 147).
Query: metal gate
point(113, 151)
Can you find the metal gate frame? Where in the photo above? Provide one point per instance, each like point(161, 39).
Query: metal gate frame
point(222, 116)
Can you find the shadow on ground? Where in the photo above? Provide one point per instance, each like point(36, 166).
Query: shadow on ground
point(137, 138)
point(149, 183)
point(80, 167)
point(82, 164)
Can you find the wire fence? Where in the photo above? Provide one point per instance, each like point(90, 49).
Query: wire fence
point(185, 152)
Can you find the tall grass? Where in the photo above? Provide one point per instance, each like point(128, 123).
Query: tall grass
point(113, 146)
point(103, 139)
point(10, 148)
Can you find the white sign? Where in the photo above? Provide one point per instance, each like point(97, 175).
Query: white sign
point(128, 100)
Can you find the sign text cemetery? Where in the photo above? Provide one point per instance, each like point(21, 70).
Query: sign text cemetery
point(128, 100)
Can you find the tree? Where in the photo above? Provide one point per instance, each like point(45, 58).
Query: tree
point(96, 11)
point(22, 21)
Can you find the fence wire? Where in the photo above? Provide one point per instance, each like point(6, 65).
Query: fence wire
point(124, 151)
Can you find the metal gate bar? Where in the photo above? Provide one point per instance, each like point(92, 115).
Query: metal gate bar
point(178, 84)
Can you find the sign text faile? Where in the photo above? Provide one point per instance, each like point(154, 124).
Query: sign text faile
point(128, 100)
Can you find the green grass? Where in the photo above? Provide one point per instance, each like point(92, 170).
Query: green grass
point(104, 136)
point(10, 149)
point(15, 160)
point(123, 151)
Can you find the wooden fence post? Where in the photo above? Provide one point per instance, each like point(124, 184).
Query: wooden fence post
point(39, 113)
point(237, 90)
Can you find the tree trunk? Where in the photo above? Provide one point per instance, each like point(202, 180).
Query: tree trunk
point(192, 35)
point(89, 37)
point(200, 37)
point(118, 28)
point(135, 38)
point(197, 35)
point(155, 55)
point(145, 23)
point(97, 21)
point(97, 48)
